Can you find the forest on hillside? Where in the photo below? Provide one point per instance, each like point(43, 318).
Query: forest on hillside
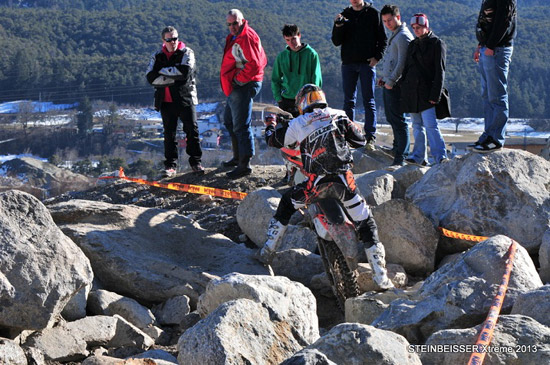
point(63, 50)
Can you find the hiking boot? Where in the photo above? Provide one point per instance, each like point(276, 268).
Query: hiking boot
point(198, 169)
point(369, 147)
point(239, 171)
point(411, 161)
point(231, 163)
point(473, 145)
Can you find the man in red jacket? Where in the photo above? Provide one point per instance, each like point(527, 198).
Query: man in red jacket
point(241, 76)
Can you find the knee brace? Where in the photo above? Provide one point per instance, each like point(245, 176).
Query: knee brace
point(357, 208)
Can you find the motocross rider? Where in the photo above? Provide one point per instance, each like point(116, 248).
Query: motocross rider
point(323, 134)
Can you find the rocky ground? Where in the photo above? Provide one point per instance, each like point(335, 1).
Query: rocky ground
point(211, 213)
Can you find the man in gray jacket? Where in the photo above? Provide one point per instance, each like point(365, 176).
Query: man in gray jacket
point(391, 68)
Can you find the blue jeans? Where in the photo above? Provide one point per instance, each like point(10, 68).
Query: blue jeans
point(238, 116)
point(367, 76)
point(494, 84)
point(425, 123)
point(396, 119)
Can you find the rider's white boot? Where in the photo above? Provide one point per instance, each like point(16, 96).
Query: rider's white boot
point(376, 256)
point(275, 232)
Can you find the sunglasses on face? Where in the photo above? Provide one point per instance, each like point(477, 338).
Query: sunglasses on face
point(234, 23)
point(171, 39)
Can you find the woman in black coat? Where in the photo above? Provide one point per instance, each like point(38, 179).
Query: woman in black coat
point(421, 86)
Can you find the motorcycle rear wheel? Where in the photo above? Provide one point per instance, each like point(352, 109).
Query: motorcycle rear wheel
point(342, 279)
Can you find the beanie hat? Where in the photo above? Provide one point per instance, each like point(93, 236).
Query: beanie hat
point(420, 19)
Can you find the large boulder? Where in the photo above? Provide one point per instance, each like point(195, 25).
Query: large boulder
point(372, 160)
point(544, 257)
point(238, 332)
point(409, 238)
point(459, 294)
point(535, 304)
point(375, 186)
point(11, 353)
point(505, 192)
point(516, 340)
point(354, 343)
point(287, 301)
point(150, 254)
point(41, 269)
point(254, 214)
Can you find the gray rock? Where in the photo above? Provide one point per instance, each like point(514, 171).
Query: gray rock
point(308, 357)
point(128, 335)
point(94, 330)
point(173, 311)
point(298, 265)
point(11, 353)
point(58, 344)
point(238, 332)
point(375, 186)
point(410, 239)
point(459, 294)
point(396, 274)
point(405, 177)
point(150, 254)
point(354, 343)
point(488, 194)
point(373, 160)
point(544, 257)
point(76, 308)
point(516, 340)
point(287, 301)
point(534, 304)
point(255, 211)
point(108, 303)
point(41, 268)
point(156, 355)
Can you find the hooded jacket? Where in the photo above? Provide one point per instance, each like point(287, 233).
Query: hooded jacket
point(292, 70)
point(424, 73)
point(173, 76)
point(496, 23)
point(362, 36)
point(243, 59)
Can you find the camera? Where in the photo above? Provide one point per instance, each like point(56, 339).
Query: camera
point(340, 21)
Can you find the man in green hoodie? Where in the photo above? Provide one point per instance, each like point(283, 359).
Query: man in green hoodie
point(294, 67)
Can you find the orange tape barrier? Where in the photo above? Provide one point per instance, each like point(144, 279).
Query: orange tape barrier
point(462, 236)
point(486, 334)
point(188, 188)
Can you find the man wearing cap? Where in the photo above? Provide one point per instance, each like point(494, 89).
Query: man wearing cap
point(241, 75)
point(358, 29)
point(495, 32)
point(391, 68)
point(423, 79)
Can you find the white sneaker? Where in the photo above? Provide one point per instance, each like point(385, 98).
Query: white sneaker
point(171, 172)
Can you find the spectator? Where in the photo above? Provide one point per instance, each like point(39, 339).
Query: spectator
point(171, 71)
point(392, 65)
point(359, 31)
point(241, 74)
point(495, 31)
point(294, 67)
point(423, 79)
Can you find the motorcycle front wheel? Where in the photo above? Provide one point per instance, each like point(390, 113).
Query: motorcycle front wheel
point(342, 279)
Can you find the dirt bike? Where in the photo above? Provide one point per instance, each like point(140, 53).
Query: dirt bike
point(339, 246)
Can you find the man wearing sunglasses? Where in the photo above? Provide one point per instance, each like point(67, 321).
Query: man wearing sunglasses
point(171, 71)
point(241, 75)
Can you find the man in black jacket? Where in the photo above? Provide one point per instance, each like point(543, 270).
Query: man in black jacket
point(359, 30)
point(495, 31)
point(171, 71)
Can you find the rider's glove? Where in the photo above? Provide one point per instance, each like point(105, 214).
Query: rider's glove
point(270, 120)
